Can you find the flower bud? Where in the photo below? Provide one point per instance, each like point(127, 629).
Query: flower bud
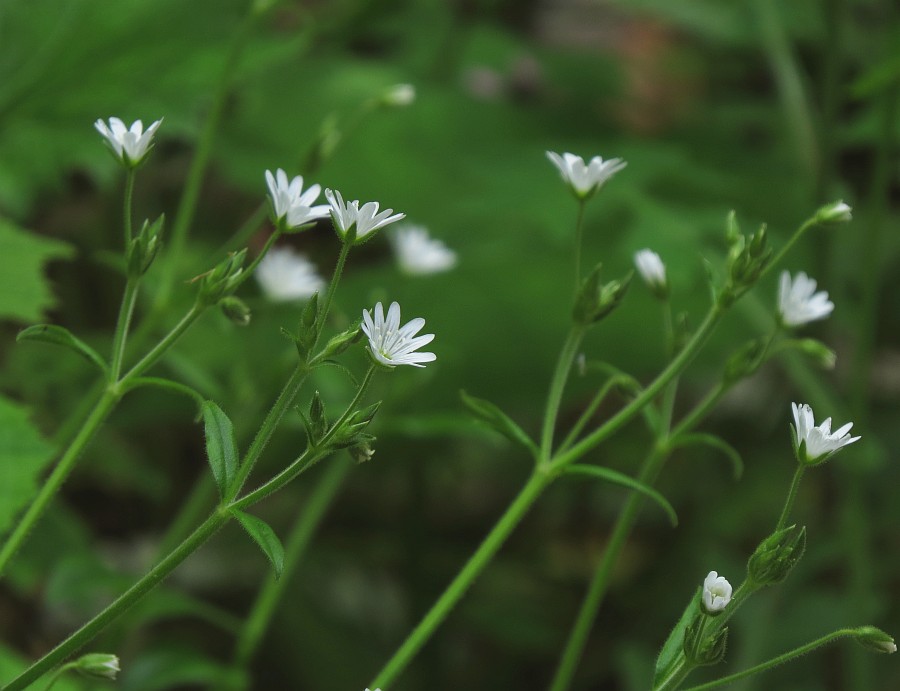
point(745, 361)
point(98, 665)
point(716, 594)
point(817, 351)
point(223, 279)
point(338, 344)
point(236, 310)
point(836, 212)
point(143, 248)
point(702, 648)
point(318, 421)
point(595, 301)
point(875, 639)
point(362, 452)
point(399, 96)
point(776, 556)
point(653, 271)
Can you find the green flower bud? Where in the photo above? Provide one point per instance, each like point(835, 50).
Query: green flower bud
point(746, 360)
point(223, 279)
point(776, 556)
point(236, 310)
point(595, 301)
point(703, 648)
point(98, 665)
point(836, 212)
point(875, 639)
point(338, 344)
point(143, 248)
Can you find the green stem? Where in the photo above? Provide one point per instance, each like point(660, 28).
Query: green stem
point(87, 632)
point(700, 411)
point(792, 495)
point(810, 223)
point(257, 622)
point(167, 342)
point(457, 588)
point(282, 403)
point(129, 196)
point(56, 479)
point(779, 660)
point(579, 237)
point(126, 310)
point(557, 387)
point(588, 413)
point(676, 676)
point(332, 286)
point(629, 411)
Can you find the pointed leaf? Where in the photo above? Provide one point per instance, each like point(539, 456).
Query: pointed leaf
point(221, 448)
point(672, 649)
point(717, 443)
point(57, 335)
point(491, 415)
point(625, 481)
point(265, 537)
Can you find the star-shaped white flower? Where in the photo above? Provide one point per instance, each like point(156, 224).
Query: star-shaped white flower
point(814, 445)
point(716, 593)
point(419, 254)
point(391, 344)
point(366, 219)
point(652, 270)
point(286, 275)
point(290, 203)
point(585, 179)
point(130, 146)
point(798, 301)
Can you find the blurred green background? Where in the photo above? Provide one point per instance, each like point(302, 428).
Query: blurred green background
point(768, 108)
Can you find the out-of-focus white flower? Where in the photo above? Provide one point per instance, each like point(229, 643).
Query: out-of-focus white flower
point(814, 445)
point(716, 593)
point(391, 344)
point(366, 219)
point(798, 301)
point(653, 271)
point(399, 95)
point(585, 179)
point(291, 204)
point(836, 212)
point(130, 145)
point(419, 254)
point(286, 275)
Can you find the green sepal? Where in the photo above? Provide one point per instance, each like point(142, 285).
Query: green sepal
point(221, 449)
point(264, 537)
point(58, 335)
point(495, 418)
point(317, 420)
point(673, 649)
point(623, 480)
point(306, 337)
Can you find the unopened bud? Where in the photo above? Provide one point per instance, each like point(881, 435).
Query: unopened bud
point(142, 249)
point(595, 301)
point(399, 96)
point(98, 665)
point(875, 639)
point(702, 648)
point(836, 212)
point(776, 556)
point(236, 310)
point(823, 356)
point(745, 361)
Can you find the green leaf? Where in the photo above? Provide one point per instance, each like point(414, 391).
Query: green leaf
point(221, 448)
point(700, 439)
point(265, 537)
point(492, 416)
point(672, 649)
point(618, 478)
point(24, 291)
point(23, 456)
point(58, 335)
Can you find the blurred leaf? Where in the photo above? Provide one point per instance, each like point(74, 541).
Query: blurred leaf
point(495, 418)
point(168, 669)
point(265, 537)
point(24, 293)
point(673, 647)
point(23, 456)
point(221, 448)
point(58, 335)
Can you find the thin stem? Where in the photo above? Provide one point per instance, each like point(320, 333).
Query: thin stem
point(457, 588)
point(168, 340)
point(56, 479)
point(351, 408)
point(557, 387)
point(129, 196)
point(700, 411)
point(629, 411)
point(251, 267)
point(257, 622)
point(676, 676)
point(87, 632)
point(282, 403)
point(588, 413)
point(332, 286)
point(579, 237)
point(780, 659)
point(590, 606)
point(126, 310)
point(792, 495)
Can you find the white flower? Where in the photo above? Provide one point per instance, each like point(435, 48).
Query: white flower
point(285, 275)
point(419, 254)
point(798, 301)
point(836, 212)
point(289, 201)
point(391, 344)
point(815, 445)
point(652, 270)
point(716, 593)
point(366, 219)
point(585, 180)
point(129, 145)
point(399, 95)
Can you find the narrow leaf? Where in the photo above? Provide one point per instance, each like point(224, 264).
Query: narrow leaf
point(265, 537)
point(221, 448)
point(618, 478)
point(717, 443)
point(673, 648)
point(492, 416)
point(57, 335)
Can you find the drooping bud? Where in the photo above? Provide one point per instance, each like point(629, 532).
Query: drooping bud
point(98, 665)
point(236, 310)
point(223, 279)
point(745, 361)
point(362, 452)
point(776, 556)
point(836, 212)
point(875, 639)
